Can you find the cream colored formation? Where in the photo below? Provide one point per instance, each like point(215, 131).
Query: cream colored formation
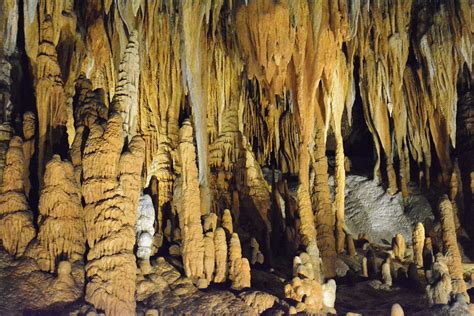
point(154, 119)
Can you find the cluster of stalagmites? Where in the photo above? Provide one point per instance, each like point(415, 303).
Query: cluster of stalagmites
point(443, 270)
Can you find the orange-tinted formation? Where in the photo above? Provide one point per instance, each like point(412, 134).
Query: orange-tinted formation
point(229, 157)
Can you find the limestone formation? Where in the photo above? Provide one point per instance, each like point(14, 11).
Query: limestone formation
point(451, 247)
point(16, 219)
point(242, 277)
point(235, 254)
point(397, 310)
point(259, 301)
point(187, 122)
point(418, 240)
point(209, 256)
point(61, 221)
point(351, 250)
point(210, 223)
point(365, 271)
point(386, 275)
point(227, 222)
point(329, 296)
point(29, 125)
point(399, 247)
point(428, 255)
point(309, 292)
point(145, 227)
point(187, 203)
point(110, 215)
point(125, 100)
point(220, 246)
point(440, 292)
point(257, 255)
point(439, 286)
point(303, 266)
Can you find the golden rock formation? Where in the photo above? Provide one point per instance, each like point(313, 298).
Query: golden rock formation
point(186, 122)
point(111, 194)
point(61, 221)
point(145, 230)
point(16, 219)
point(29, 125)
point(220, 246)
point(227, 222)
point(187, 202)
point(399, 247)
point(307, 292)
point(418, 239)
point(451, 247)
point(209, 256)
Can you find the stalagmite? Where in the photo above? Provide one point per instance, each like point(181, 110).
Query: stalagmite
point(220, 246)
point(365, 270)
point(61, 221)
point(110, 216)
point(145, 230)
point(210, 223)
point(309, 292)
point(329, 296)
point(399, 247)
point(257, 256)
point(351, 250)
point(16, 219)
point(227, 222)
point(186, 199)
point(386, 276)
point(396, 310)
point(439, 292)
point(242, 275)
point(418, 239)
point(235, 254)
point(29, 125)
point(209, 256)
point(239, 268)
point(451, 247)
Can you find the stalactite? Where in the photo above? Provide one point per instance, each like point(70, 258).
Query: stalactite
point(98, 64)
point(338, 82)
point(382, 63)
point(49, 85)
point(125, 99)
point(61, 222)
point(418, 138)
point(194, 39)
point(16, 219)
point(432, 44)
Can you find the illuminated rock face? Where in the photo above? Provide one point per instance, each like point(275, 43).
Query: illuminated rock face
point(16, 218)
point(220, 136)
point(61, 222)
